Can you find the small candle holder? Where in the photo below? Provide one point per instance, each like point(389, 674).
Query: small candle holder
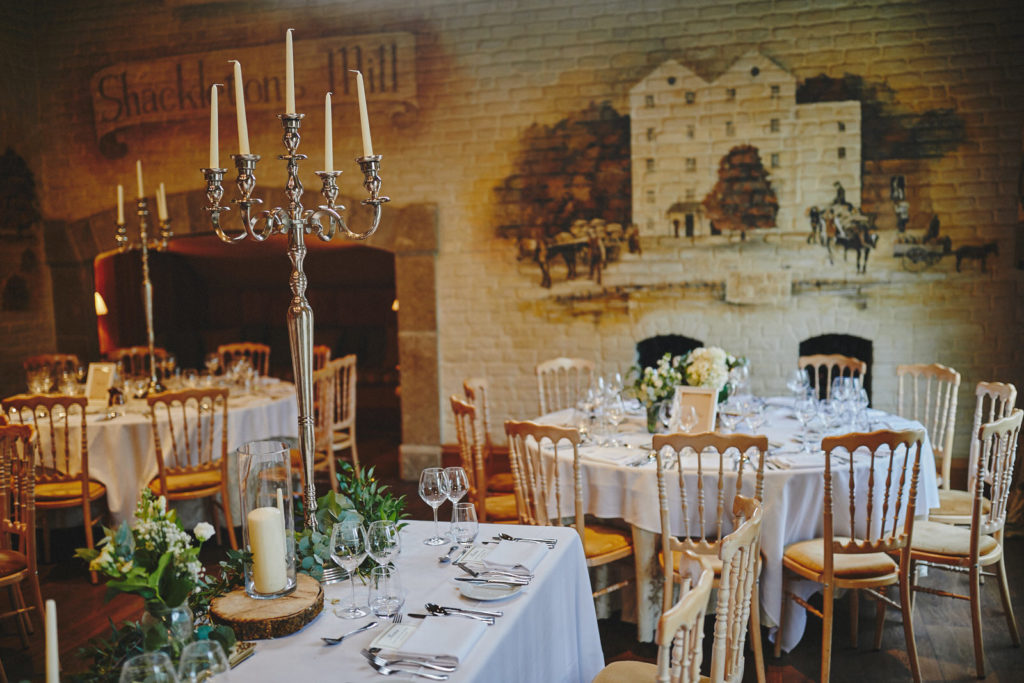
point(265, 495)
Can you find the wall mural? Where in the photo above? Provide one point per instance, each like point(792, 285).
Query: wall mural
point(751, 152)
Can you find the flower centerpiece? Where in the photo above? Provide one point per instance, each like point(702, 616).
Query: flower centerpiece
point(655, 385)
point(711, 367)
point(157, 559)
point(702, 367)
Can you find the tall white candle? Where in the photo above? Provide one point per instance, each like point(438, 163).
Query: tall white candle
point(214, 128)
point(161, 203)
point(267, 543)
point(138, 177)
point(328, 135)
point(289, 74)
point(243, 128)
point(120, 204)
point(364, 119)
point(52, 659)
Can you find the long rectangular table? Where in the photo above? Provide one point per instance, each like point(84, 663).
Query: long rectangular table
point(793, 503)
point(548, 631)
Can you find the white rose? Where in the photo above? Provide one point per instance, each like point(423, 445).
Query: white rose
point(203, 531)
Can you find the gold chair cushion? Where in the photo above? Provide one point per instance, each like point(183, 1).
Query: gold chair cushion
point(946, 539)
point(12, 562)
point(190, 481)
point(957, 503)
point(811, 555)
point(67, 490)
point(599, 539)
point(627, 671)
point(501, 482)
point(501, 508)
point(712, 561)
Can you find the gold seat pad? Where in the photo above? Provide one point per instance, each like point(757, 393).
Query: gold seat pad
point(12, 562)
point(946, 539)
point(501, 482)
point(601, 540)
point(67, 490)
point(811, 555)
point(627, 672)
point(501, 508)
point(190, 481)
point(959, 503)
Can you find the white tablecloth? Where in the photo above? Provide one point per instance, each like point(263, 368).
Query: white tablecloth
point(548, 631)
point(793, 504)
point(122, 454)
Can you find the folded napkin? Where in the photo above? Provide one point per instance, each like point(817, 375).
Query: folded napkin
point(801, 460)
point(511, 553)
point(613, 454)
point(445, 636)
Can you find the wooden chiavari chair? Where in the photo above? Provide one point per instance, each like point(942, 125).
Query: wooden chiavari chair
point(495, 508)
point(928, 394)
point(562, 381)
point(823, 368)
point(258, 354)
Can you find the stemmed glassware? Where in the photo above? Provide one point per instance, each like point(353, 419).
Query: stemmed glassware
point(203, 660)
point(434, 489)
point(382, 541)
point(806, 409)
point(458, 486)
point(729, 414)
point(149, 667)
point(348, 550)
point(686, 419)
point(797, 382)
point(755, 414)
point(614, 413)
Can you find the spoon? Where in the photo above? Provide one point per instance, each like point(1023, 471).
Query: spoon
point(445, 559)
point(335, 641)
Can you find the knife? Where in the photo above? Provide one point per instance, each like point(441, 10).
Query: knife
point(500, 582)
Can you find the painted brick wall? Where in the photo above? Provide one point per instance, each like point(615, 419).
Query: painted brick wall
point(486, 70)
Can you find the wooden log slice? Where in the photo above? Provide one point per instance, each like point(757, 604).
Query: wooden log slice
point(260, 619)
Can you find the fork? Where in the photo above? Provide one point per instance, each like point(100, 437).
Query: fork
point(396, 618)
point(387, 671)
point(549, 542)
point(445, 663)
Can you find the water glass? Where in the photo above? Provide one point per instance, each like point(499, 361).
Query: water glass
point(615, 414)
point(806, 409)
point(149, 667)
point(382, 541)
point(203, 660)
point(386, 592)
point(348, 550)
point(433, 490)
point(464, 524)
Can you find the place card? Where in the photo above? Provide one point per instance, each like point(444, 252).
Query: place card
point(394, 638)
point(476, 554)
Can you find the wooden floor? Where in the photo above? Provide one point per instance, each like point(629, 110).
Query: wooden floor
point(942, 625)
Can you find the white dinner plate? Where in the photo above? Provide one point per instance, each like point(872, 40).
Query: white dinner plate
point(487, 591)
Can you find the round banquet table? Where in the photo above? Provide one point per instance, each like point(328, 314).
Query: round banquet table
point(122, 453)
point(620, 482)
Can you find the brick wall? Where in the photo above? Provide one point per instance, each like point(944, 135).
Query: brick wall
point(487, 70)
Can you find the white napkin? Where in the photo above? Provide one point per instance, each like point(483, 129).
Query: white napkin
point(446, 636)
point(801, 460)
point(616, 455)
point(511, 553)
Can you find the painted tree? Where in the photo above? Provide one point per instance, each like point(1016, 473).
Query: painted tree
point(743, 198)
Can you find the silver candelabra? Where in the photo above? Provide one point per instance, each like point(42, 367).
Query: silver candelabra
point(145, 244)
point(295, 222)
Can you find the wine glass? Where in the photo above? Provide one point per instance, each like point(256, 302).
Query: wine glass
point(686, 419)
point(458, 485)
point(348, 550)
point(382, 541)
point(730, 414)
point(386, 593)
point(806, 408)
point(465, 525)
point(797, 382)
point(201, 661)
point(615, 413)
point(755, 414)
point(434, 488)
point(212, 363)
point(149, 667)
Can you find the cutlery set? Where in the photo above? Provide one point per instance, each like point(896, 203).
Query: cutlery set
point(549, 542)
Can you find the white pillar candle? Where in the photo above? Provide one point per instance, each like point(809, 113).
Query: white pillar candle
point(328, 135)
point(364, 119)
point(243, 128)
point(52, 659)
point(161, 203)
point(120, 204)
point(266, 543)
point(138, 177)
point(214, 128)
point(289, 74)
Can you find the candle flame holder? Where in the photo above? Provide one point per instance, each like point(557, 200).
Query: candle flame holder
point(144, 245)
point(296, 222)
